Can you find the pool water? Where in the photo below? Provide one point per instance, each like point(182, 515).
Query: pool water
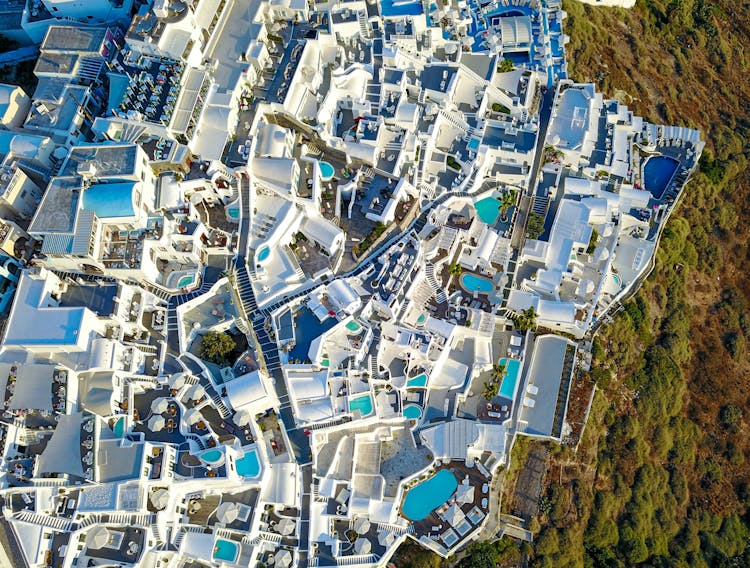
point(428, 495)
point(473, 283)
point(119, 427)
point(421, 319)
point(186, 280)
point(617, 280)
point(508, 386)
point(248, 466)
point(263, 253)
point(225, 550)
point(418, 381)
point(353, 326)
point(326, 170)
point(473, 144)
point(488, 210)
point(325, 363)
point(400, 8)
point(233, 212)
point(657, 173)
point(362, 403)
point(211, 456)
point(412, 412)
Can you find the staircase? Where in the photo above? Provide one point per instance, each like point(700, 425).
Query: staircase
point(157, 534)
point(55, 523)
point(220, 406)
point(429, 271)
point(539, 205)
point(364, 25)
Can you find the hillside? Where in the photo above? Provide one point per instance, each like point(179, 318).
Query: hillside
point(662, 475)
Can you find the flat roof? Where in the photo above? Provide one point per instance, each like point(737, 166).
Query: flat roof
point(545, 373)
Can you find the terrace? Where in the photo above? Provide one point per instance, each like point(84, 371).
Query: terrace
point(153, 89)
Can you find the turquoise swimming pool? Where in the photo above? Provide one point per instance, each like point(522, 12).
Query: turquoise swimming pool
point(248, 466)
point(263, 253)
point(510, 379)
point(488, 209)
point(362, 403)
point(617, 280)
point(326, 170)
point(225, 550)
point(211, 456)
point(233, 212)
point(412, 412)
point(119, 427)
point(185, 281)
point(353, 326)
point(428, 495)
point(421, 319)
point(418, 381)
point(474, 283)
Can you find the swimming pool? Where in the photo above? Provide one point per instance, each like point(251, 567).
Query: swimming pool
point(412, 412)
point(474, 283)
point(418, 381)
point(657, 173)
point(428, 495)
point(616, 279)
point(400, 8)
point(185, 281)
point(508, 386)
point(263, 253)
point(362, 403)
point(233, 212)
point(488, 209)
point(473, 144)
point(225, 550)
point(326, 170)
point(421, 319)
point(211, 456)
point(353, 326)
point(119, 427)
point(248, 466)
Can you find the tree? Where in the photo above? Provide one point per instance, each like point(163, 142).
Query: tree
point(526, 320)
point(455, 270)
point(505, 66)
point(534, 225)
point(592, 242)
point(216, 347)
point(498, 371)
point(480, 555)
point(507, 200)
point(490, 390)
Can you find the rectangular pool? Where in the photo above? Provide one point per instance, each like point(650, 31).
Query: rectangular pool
point(225, 550)
point(508, 386)
point(362, 403)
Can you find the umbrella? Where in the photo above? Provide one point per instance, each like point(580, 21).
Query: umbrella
point(193, 416)
point(385, 538)
point(465, 494)
point(160, 498)
point(361, 525)
point(156, 423)
point(97, 537)
point(285, 527)
point(159, 405)
point(242, 417)
point(227, 513)
point(362, 546)
point(177, 380)
point(197, 392)
point(283, 558)
point(454, 515)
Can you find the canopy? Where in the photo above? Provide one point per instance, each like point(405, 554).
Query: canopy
point(227, 513)
point(156, 423)
point(97, 537)
point(196, 392)
point(385, 538)
point(465, 494)
point(283, 558)
point(159, 405)
point(160, 498)
point(362, 546)
point(242, 417)
point(177, 380)
point(361, 525)
point(285, 527)
point(192, 416)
